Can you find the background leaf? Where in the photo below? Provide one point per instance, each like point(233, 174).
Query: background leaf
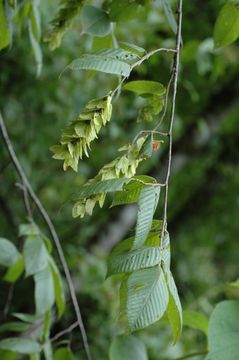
point(226, 28)
point(20, 345)
point(195, 320)
point(4, 30)
point(223, 340)
point(127, 347)
point(35, 255)
point(44, 290)
point(95, 21)
point(8, 253)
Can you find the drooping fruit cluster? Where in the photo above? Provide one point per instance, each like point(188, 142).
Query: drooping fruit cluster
point(122, 166)
point(76, 138)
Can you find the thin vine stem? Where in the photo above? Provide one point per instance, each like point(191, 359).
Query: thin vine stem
point(174, 80)
point(52, 230)
point(138, 63)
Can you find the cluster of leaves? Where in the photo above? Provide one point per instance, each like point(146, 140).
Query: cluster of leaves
point(38, 263)
point(147, 289)
point(76, 138)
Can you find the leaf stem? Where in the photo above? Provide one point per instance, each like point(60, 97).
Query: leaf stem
point(52, 230)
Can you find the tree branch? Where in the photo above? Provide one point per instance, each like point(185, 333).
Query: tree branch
point(52, 230)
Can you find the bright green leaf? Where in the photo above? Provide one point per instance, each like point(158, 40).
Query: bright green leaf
point(137, 50)
point(63, 354)
point(226, 29)
point(4, 30)
point(174, 309)
point(15, 270)
point(145, 87)
point(58, 288)
point(195, 320)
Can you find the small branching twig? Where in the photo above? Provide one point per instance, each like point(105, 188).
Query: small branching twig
point(52, 230)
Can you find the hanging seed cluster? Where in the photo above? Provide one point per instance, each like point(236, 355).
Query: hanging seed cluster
point(122, 166)
point(77, 137)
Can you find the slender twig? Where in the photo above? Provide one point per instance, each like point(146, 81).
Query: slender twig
point(52, 230)
point(198, 353)
point(172, 114)
point(151, 53)
point(64, 332)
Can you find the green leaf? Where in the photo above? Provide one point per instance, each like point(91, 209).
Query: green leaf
point(118, 53)
point(58, 289)
point(28, 229)
point(8, 355)
point(63, 354)
point(100, 63)
point(147, 297)
point(127, 347)
point(147, 205)
point(44, 290)
point(4, 30)
point(34, 39)
point(99, 43)
point(223, 340)
point(131, 190)
point(15, 271)
point(35, 255)
point(137, 50)
point(226, 29)
point(35, 356)
point(145, 87)
point(14, 326)
point(20, 345)
point(170, 15)
point(46, 326)
point(141, 258)
point(95, 21)
point(26, 317)
point(8, 253)
point(195, 320)
point(98, 187)
point(174, 309)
